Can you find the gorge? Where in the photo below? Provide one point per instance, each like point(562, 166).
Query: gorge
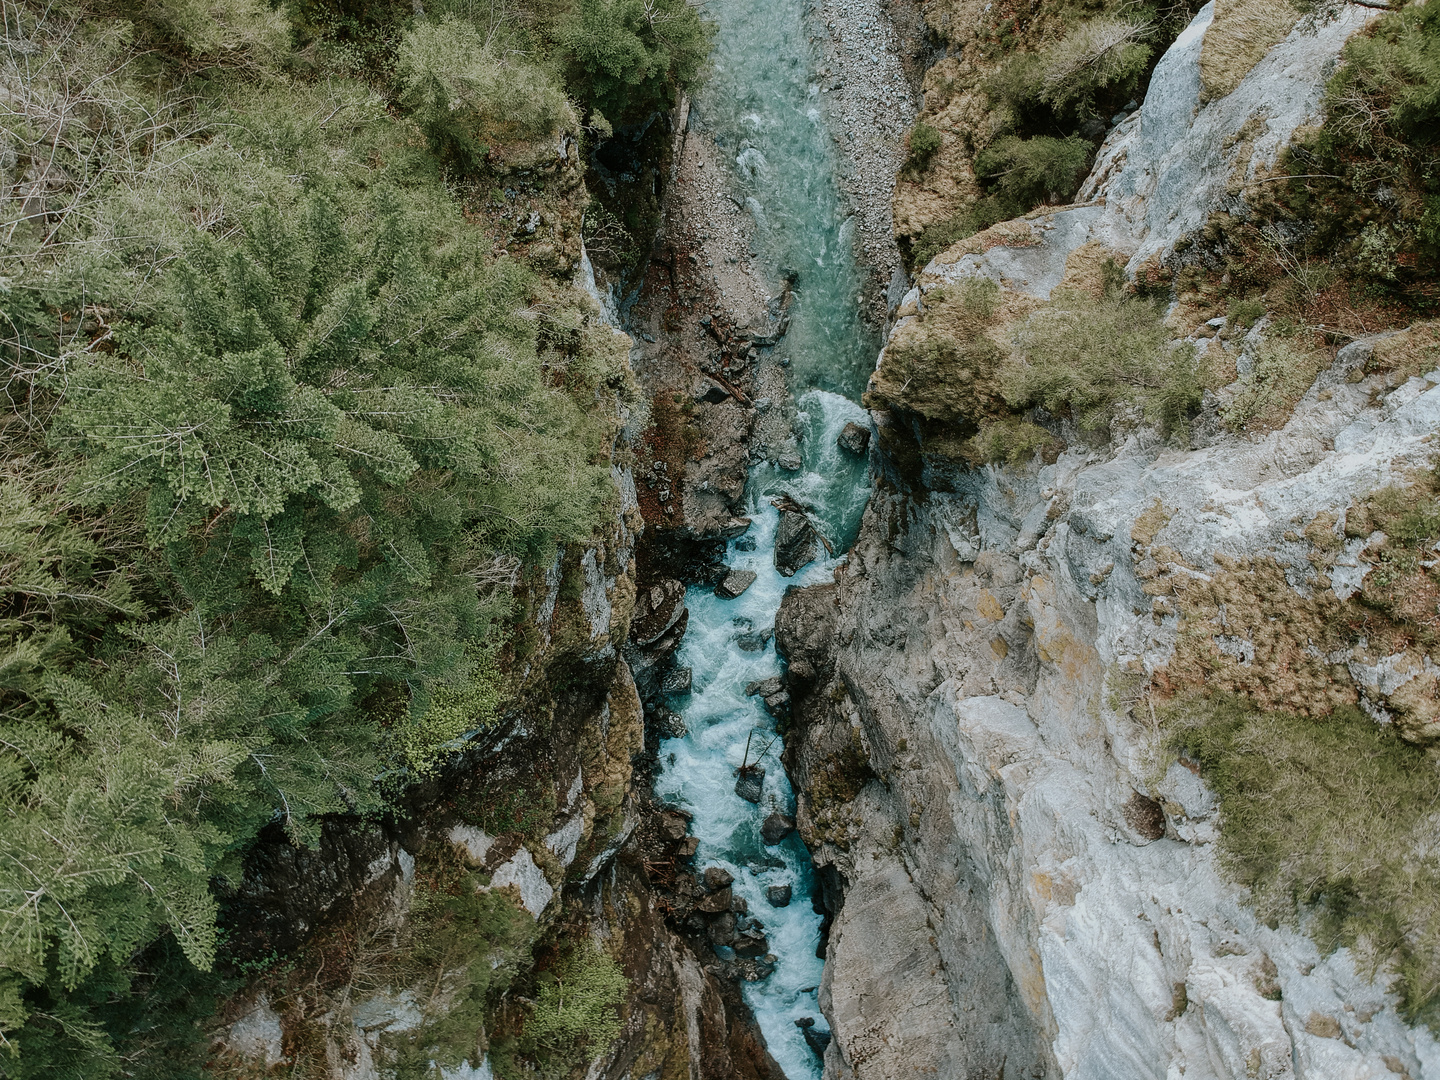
point(768, 539)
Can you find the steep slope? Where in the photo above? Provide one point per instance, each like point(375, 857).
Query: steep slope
point(1125, 653)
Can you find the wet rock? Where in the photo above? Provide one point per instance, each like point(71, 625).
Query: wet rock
point(716, 902)
point(854, 439)
point(688, 847)
point(778, 704)
point(755, 640)
point(750, 944)
point(750, 784)
point(778, 895)
point(740, 906)
point(667, 723)
point(717, 877)
point(736, 527)
point(805, 1022)
point(776, 827)
point(817, 1040)
point(765, 687)
point(791, 463)
point(735, 583)
point(657, 609)
point(722, 930)
point(745, 544)
point(796, 542)
point(673, 826)
point(677, 681)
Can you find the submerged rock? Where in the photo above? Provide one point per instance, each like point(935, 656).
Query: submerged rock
point(734, 583)
point(750, 784)
point(750, 944)
point(854, 439)
point(776, 827)
point(755, 640)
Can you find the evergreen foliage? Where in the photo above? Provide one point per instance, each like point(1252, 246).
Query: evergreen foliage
point(626, 58)
point(279, 435)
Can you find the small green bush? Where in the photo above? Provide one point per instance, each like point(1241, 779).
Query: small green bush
point(628, 58)
point(1279, 376)
point(1097, 357)
point(1010, 441)
point(1023, 173)
point(936, 238)
point(466, 96)
point(1106, 53)
point(576, 1011)
point(922, 144)
point(1332, 818)
point(1245, 313)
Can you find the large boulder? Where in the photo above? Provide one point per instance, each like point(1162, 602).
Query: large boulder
point(854, 439)
point(734, 583)
point(657, 609)
point(750, 784)
point(778, 895)
point(796, 542)
point(776, 827)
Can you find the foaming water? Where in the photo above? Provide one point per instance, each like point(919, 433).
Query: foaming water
point(699, 770)
point(762, 107)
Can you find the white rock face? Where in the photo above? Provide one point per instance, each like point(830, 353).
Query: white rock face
point(520, 871)
point(258, 1036)
point(1001, 859)
point(1173, 162)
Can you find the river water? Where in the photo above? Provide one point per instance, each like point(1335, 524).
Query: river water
point(762, 107)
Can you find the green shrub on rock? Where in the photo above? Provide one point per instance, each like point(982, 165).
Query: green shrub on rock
point(1023, 173)
point(1331, 824)
point(1098, 358)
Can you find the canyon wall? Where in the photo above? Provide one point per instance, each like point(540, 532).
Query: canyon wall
point(985, 698)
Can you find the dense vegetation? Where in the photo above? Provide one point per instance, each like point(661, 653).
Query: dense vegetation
point(281, 425)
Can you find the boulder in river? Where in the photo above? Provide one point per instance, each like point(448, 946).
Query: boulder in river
point(677, 680)
point(817, 1040)
point(778, 895)
point(854, 439)
point(716, 902)
point(796, 542)
point(673, 826)
point(776, 827)
point(750, 943)
point(750, 784)
point(777, 704)
point(734, 583)
point(765, 687)
point(717, 877)
point(657, 609)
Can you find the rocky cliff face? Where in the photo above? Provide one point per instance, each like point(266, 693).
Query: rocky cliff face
point(1030, 873)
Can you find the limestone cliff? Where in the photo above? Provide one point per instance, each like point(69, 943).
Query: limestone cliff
point(1035, 879)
